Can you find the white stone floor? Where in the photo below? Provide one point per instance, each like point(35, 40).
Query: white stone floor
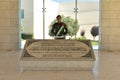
point(107, 67)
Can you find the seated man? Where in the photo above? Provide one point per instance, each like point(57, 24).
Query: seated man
point(59, 29)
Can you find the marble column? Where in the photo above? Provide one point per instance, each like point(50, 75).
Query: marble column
point(9, 25)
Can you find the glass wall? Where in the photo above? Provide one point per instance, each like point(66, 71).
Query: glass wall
point(79, 15)
point(88, 17)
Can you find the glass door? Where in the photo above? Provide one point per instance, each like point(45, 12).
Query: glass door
point(65, 8)
point(26, 20)
point(51, 12)
point(88, 17)
point(38, 19)
point(79, 15)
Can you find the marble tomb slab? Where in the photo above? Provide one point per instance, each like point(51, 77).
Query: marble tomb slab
point(57, 55)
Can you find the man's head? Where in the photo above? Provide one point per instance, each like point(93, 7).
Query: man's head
point(58, 18)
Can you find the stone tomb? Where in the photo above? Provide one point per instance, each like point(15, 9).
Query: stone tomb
point(57, 55)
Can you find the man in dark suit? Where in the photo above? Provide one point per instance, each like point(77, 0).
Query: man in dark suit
point(59, 29)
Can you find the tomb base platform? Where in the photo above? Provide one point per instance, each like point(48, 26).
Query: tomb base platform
point(64, 60)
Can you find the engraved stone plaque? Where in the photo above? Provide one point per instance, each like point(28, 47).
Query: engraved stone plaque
point(57, 55)
point(57, 49)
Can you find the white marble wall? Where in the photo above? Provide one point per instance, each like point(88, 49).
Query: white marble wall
point(110, 25)
point(9, 33)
